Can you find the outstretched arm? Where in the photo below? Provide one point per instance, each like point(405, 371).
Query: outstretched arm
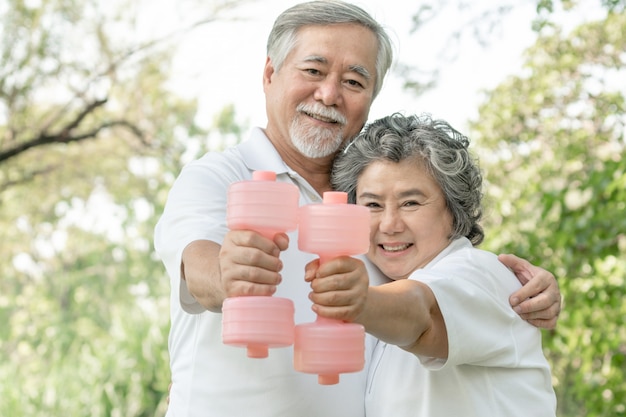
point(403, 312)
point(539, 299)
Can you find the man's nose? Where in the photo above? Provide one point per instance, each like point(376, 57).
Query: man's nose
point(328, 91)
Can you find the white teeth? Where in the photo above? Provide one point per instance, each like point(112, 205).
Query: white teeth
point(322, 118)
point(396, 248)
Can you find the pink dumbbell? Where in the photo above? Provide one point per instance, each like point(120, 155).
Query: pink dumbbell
point(330, 347)
point(267, 207)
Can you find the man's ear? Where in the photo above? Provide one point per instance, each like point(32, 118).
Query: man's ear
point(268, 71)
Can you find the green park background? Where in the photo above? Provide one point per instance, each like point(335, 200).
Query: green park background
point(91, 140)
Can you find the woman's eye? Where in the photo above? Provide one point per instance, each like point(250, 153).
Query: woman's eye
point(410, 203)
point(372, 205)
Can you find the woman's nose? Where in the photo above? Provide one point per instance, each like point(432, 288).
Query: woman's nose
point(391, 222)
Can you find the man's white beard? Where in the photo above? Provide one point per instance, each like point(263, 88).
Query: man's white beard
point(316, 141)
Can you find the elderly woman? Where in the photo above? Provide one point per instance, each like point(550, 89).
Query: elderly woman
point(449, 343)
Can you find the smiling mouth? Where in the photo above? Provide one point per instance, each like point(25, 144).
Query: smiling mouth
point(321, 118)
point(396, 248)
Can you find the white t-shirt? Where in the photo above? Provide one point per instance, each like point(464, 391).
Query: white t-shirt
point(495, 366)
point(217, 380)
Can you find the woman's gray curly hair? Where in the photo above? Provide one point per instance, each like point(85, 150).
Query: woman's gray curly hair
point(443, 151)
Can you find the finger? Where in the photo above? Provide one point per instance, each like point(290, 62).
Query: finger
point(344, 313)
point(282, 241)
point(245, 288)
point(352, 283)
point(328, 298)
point(252, 274)
point(531, 305)
point(253, 258)
point(519, 266)
point(244, 280)
point(542, 316)
point(329, 284)
point(251, 249)
point(341, 305)
point(533, 288)
point(544, 324)
point(333, 292)
point(251, 239)
point(540, 307)
point(310, 270)
point(513, 262)
point(339, 265)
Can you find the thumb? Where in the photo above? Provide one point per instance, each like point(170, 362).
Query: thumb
point(282, 241)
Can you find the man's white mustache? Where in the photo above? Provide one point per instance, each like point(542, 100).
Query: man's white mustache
point(326, 112)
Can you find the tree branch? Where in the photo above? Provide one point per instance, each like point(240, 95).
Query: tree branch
point(66, 135)
point(26, 178)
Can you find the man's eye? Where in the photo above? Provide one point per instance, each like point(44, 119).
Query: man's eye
point(372, 205)
point(313, 71)
point(355, 83)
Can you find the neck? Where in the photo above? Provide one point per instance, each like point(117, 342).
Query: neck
point(315, 171)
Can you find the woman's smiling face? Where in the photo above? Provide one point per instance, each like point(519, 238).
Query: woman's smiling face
point(410, 223)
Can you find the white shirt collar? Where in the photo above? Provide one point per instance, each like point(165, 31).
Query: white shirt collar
point(259, 154)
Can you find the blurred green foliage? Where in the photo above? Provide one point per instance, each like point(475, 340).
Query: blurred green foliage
point(552, 143)
point(83, 300)
point(90, 137)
